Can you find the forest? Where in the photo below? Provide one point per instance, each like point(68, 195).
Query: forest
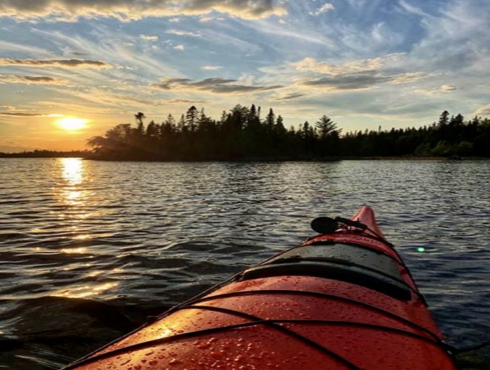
point(242, 134)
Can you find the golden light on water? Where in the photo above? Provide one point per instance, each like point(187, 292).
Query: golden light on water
point(72, 123)
point(72, 170)
point(80, 250)
point(85, 291)
point(72, 192)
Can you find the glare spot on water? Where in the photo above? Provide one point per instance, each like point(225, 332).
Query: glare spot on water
point(82, 237)
point(85, 291)
point(80, 250)
point(72, 170)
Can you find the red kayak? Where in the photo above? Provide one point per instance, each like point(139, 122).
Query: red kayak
point(342, 300)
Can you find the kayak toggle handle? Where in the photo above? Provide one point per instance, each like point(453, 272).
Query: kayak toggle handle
point(327, 225)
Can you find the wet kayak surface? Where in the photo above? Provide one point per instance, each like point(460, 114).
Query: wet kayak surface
point(90, 249)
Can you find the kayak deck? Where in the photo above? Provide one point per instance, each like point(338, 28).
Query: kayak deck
point(343, 300)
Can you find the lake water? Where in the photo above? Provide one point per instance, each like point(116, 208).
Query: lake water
point(89, 249)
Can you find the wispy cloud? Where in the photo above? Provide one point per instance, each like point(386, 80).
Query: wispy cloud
point(211, 85)
point(149, 38)
point(25, 114)
point(209, 19)
point(409, 77)
point(179, 47)
point(483, 111)
point(16, 47)
point(288, 96)
point(183, 33)
point(354, 81)
point(437, 90)
point(323, 9)
point(212, 68)
point(62, 63)
point(31, 80)
point(117, 48)
point(117, 101)
point(354, 75)
point(359, 81)
point(69, 10)
point(310, 64)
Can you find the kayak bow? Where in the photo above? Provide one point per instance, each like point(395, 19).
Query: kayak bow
point(341, 300)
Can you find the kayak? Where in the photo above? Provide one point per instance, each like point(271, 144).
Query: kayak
point(343, 299)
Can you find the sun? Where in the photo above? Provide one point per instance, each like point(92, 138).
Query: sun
point(72, 123)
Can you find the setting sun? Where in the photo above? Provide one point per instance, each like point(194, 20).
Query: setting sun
point(72, 123)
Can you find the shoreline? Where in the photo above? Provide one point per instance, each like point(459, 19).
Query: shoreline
point(265, 160)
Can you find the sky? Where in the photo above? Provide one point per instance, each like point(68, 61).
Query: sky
point(72, 69)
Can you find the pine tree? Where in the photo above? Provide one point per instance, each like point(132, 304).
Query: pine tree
point(191, 118)
point(270, 120)
point(443, 119)
point(325, 127)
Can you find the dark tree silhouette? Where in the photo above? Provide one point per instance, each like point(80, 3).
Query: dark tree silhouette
point(240, 134)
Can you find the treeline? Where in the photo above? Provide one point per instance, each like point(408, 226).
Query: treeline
point(242, 134)
point(47, 154)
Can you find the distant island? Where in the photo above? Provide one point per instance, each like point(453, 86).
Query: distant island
point(243, 135)
point(48, 154)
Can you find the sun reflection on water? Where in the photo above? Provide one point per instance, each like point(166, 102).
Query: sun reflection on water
point(85, 291)
point(73, 173)
point(80, 250)
point(72, 170)
point(72, 191)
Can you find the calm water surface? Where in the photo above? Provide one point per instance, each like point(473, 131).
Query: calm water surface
point(89, 249)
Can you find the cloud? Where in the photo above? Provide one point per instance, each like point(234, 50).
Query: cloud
point(103, 102)
point(126, 10)
point(9, 107)
point(209, 19)
point(183, 33)
point(323, 9)
point(409, 77)
point(31, 80)
point(355, 81)
point(149, 38)
point(179, 47)
point(437, 90)
point(456, 40)
point(61, 63)
point(23, 114)
point(151, 102)
point(174, 20)
point(211, 68)
point(211, 85)
point(413, 10)
point(354, 75)
point(312, 65)
point(288, 96)
point(483, 111)
point(359, 81)
point(16, 48)
point(185, 101)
